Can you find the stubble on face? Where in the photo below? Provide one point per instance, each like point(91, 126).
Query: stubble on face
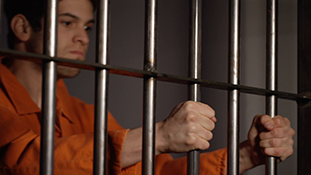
point(73, 38)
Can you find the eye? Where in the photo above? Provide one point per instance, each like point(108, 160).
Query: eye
point(87, 28)
point(66, 23)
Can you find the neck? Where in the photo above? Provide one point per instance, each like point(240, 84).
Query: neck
point(29, 74)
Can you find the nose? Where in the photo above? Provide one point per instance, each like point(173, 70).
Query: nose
point(81, 36)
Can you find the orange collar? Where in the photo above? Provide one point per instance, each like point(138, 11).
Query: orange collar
point(22, 101)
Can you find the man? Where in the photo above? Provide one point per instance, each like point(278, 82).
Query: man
point(188, 126)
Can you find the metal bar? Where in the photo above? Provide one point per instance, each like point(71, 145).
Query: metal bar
point(300, 98)
point(233, 95)
point(49, 90)
point(304, 86)
point(101, 89)
point(194, 92)
point(271, 72)
point(149, 102)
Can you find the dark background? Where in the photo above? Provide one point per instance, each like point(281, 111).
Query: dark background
point(127, 50)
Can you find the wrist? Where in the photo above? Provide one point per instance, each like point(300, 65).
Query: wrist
point(246, 161)
point(159, 140)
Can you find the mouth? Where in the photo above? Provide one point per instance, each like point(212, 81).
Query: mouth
point(78, 53)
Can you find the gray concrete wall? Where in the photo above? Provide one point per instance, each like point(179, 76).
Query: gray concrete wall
point(127, 50)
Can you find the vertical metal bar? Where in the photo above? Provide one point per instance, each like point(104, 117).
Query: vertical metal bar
point(149, 103)
point(304, 86)
point(194, 91)
point(101, 88)
point(48, 90)
point(271, 71)
point(234, 95)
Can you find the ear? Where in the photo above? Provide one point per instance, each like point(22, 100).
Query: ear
point(21, 27)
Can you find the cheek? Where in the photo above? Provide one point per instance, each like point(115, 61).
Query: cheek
point(62, 41)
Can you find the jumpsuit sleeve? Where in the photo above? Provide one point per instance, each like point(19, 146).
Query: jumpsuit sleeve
point(20, 153)
point(20, 150)
point(211, 163)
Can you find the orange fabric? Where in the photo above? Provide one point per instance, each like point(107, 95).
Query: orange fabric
point(20, 137)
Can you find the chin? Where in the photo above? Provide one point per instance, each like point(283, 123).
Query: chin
point(67, 72)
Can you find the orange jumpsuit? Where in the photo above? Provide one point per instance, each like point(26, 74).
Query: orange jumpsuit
point(20, 137)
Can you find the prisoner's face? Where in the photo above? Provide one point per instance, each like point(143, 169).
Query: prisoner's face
point(75, 19)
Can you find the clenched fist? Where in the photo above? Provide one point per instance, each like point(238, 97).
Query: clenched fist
point(267, 137)
point(188, 127)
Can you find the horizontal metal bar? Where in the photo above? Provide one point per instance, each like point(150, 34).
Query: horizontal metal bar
point(301, 99)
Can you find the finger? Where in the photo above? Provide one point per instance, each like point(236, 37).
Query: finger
point(278, 121)
point(214, 119)
point(254, 130)
point(206, 135)
point(281, 121)
point(207, 124)
point(197, 129)
point(203, 144)
point(206, 111)
point(197, 142)
point(267, 122)
point(277, 133)
point(276, 142)
point(282, 152)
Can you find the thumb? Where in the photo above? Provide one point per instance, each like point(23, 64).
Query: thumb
point(260, 123)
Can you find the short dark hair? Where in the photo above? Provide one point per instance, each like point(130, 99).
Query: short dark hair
point(33, 10)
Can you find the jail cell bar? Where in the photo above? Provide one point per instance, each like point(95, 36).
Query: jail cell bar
point(149, 99)
point(271, 71)
point(101, 91)
point(49, 90)
point(233, 95)
point(49, 81)
point(194, 91)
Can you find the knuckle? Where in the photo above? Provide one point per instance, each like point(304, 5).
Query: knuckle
point(192, 128)
point(273, 142)
point(277, 120)
point(190, 141)
point(191, 117)
point(278, 151)
point(188, 105)
point(275, 132)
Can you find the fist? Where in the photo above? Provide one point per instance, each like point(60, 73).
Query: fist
point(188, 127)
point(271, 137)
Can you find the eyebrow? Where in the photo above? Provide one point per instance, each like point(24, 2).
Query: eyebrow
point(76, 17)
